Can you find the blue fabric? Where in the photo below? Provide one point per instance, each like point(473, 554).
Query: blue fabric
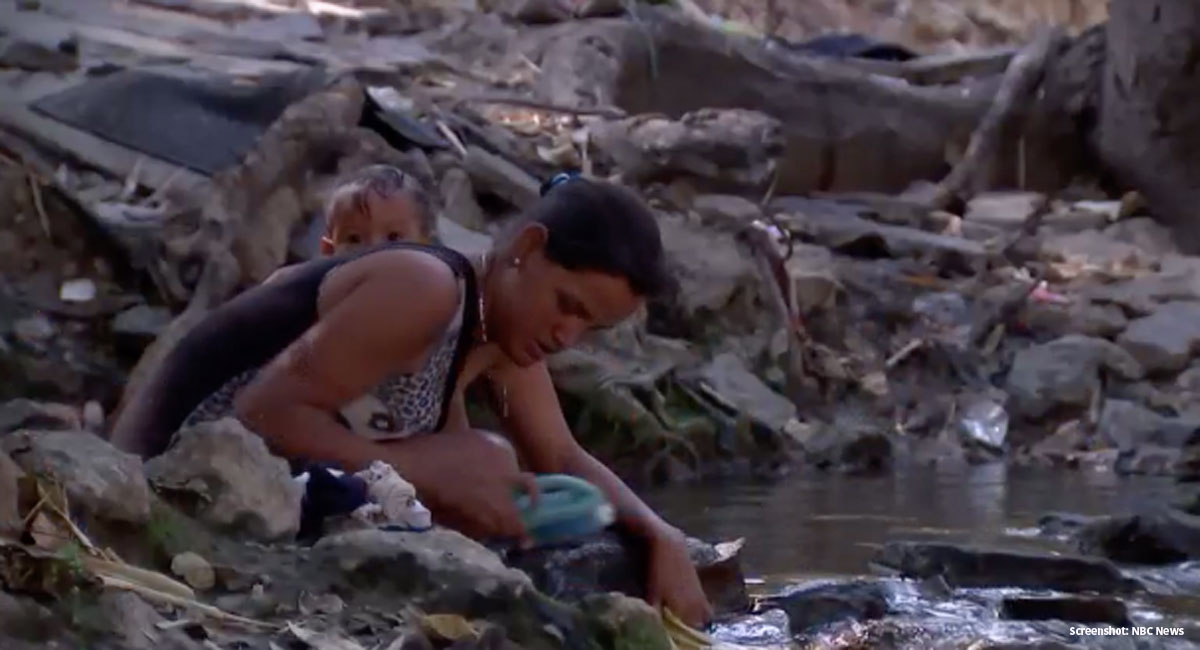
point(327, 495)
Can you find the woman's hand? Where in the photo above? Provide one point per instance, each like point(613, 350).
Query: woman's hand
point(468, 480)
point(673, 582)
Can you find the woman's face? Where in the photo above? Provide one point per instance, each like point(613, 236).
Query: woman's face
point(539, 308)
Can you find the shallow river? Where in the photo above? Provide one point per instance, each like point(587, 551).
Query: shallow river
point(819, 525)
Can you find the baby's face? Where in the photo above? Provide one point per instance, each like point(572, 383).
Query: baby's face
point(394, 218)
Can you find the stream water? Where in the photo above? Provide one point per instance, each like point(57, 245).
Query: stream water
point(821, 526)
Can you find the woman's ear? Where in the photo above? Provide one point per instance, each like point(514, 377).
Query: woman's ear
point(530, 240)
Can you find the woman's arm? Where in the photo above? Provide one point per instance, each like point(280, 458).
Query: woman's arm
point(538, 430)
point(370, 325)
point(540, 433)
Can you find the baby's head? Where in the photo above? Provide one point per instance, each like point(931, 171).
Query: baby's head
point(377, 204)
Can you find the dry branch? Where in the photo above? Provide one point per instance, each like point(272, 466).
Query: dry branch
point(1020, 81)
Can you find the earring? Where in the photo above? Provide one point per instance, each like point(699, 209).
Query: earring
point(516, 261)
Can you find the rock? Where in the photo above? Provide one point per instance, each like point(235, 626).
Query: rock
point(1007, 210)
point(614, 562)
point(139, 326)
point(195, 570)
point(1178, 279)
point(726, 149)
point(1076, 609)
point(1064, 524)
point(964, 566)
point(600, 8)
point(458, 200)
point(1188, 380)
point(942, 310)
point(629, 622)
point(723, 209)
point(849, 449)
point(535, 12)
point(446, 569)
point(282, 28)
point(1079, 317)
point(10, 513)
point(1146, 234)
point(1093, 251)
point(855, 236)
point(28, 414)
point(491, 173)
point(1060, 447)
point(93, 417)
point(727, 376)
point(1159, 535)
point(25, 54)
point(1063, 372)
point(1126, 425)
point(135, 623)
point(811, 607)
point(1154, 460)
point(1165, 340)
point(25, 621)
point(461, 239)
point(34, 331)
point(1191, 506)
point(814, 281)
point(719, 293)
point(240, 486)
point(262, 244)
point(102, 480)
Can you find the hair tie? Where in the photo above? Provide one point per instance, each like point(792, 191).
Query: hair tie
point(556, 180)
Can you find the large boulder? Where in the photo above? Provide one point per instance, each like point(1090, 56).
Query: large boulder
point(1165, 340)
point(732, 149)
point(103, 481)
point(1064, 373)
point(812, 606)
point(1156, 536)
point(225, 476)
point(617, 563)
point(964, 566)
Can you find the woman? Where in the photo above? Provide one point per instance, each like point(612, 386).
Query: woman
point(350, 359)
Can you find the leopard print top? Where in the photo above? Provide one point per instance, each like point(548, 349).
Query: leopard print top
point(400, 406)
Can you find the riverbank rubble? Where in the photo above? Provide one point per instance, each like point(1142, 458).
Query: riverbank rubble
point(835, 310)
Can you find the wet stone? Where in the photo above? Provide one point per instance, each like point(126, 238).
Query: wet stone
point(1080, 610)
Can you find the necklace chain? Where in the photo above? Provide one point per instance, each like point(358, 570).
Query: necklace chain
point(483, 333)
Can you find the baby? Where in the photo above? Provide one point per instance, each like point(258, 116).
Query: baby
point(377, 204)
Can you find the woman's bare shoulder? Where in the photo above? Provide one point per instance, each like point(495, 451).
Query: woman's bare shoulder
point(395, 288)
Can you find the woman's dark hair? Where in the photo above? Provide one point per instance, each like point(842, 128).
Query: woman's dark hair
point(382, 181)
point(602, 227)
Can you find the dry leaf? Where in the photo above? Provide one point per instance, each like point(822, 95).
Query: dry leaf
point(448, 627)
